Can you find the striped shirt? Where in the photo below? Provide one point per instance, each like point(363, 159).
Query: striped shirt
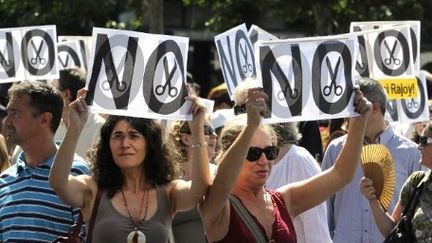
point(30, 211)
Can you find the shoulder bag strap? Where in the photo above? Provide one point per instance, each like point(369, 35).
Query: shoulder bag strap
point(414, 199)
point(77, 227)
point(93, 215)
point(247, 219)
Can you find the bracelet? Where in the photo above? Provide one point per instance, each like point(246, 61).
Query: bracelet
point(198, 145)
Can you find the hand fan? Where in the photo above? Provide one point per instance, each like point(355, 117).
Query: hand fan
point(378, 165)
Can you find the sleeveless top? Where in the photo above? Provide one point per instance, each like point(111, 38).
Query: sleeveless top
point(283, 228)
point(187, 227)
point(111, 226)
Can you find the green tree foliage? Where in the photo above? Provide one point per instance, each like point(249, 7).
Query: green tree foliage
point(75, 17)
point(314, 17)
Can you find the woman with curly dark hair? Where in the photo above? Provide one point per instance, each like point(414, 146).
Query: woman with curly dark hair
point(140, 195)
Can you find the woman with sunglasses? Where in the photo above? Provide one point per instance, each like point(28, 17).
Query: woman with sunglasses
point(422, 216)
point(237, 208)
point(187, 226)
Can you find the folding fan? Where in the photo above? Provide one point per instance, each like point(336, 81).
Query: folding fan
point(378, 165)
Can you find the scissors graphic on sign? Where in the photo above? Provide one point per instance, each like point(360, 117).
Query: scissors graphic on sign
point(247, 66)
point(412, 104)
point(38, 58)
point(391, 59)
point(65, 63)
point(294, 94)
point(333, 75)
point(4, 62)
point(160, 89)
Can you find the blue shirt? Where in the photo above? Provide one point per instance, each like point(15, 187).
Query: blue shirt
point(349, 216)
point(30, 211)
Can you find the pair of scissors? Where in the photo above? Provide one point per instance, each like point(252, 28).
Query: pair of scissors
point(247, 66)
point(4, 62)
point(172, 91)
point(293, 94)
point(65, 63)
point(412, 104)
point(333, 75)
point(120, 86)
point(38, 58)
point(391, 51)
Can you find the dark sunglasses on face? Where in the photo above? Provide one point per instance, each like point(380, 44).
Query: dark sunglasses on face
point(425, 141)
point(208, 130)
point(255, 153)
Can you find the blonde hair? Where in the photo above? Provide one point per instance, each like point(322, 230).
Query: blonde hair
point(241, 91)
point(232, 129)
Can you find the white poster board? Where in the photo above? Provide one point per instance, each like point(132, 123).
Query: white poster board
point(70, 55)
point(309, 78)
point(28, 53)
point(138, 74)
point(236, 56)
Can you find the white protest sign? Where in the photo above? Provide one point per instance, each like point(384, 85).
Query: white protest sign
point(399, 64)
point(255, 34)
point(236, 56)
point(412, 109)
point(70, 55)
point(85, 43)
point(138, 74)
point(414, 28)
point(258, 35)
point(309, 78)
point(28, 53)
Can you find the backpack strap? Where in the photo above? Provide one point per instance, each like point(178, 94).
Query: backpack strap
point(247, 219)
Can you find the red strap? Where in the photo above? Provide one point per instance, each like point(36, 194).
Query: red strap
point(93, 216)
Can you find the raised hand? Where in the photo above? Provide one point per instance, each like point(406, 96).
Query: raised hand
point(362, 104)
point(256, 106)
point(367, 189)
point(198, 111)
point(78, 111)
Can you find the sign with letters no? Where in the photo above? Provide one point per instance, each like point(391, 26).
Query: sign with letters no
point(138, 74)
point(28, 53)
point(308, 78)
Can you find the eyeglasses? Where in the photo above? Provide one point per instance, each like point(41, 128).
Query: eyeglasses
point(208, 130)
point(425, 141)
point(255, 153)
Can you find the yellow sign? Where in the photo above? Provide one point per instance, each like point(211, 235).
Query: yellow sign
point(400, 88)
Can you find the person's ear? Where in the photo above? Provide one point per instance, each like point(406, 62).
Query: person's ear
point(46, 118)
point(376, 107)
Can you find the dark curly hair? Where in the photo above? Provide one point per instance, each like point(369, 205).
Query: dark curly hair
point(158, 169)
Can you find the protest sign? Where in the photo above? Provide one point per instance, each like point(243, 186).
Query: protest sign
point(309, 78)
point(236, 56)
point(28, 53)
point(70, 55)
point(138, 74)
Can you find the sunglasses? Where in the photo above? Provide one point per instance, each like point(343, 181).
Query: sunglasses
point(208, 130)
point(425, 141)
point(255, 153)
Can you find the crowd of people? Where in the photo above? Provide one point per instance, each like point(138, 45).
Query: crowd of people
point(224, 176)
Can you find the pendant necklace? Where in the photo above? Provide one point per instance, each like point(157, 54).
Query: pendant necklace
point(136, 236)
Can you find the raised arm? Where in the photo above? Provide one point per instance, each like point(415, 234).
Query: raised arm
point(187, 194)
point(70, 189)
point(306, 194)
point(384, 221)
point(216, 202)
